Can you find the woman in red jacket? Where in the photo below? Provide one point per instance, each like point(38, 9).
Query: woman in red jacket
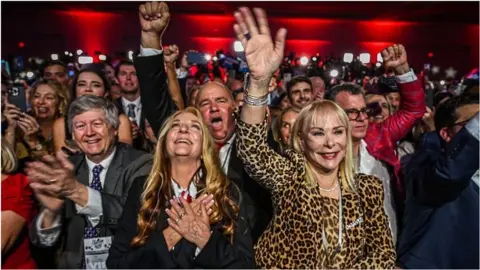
point(17, 213)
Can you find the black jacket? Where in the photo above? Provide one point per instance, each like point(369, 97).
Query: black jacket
point(218, 252)
point(441, 222)
point(127, 165)
point(156, 102)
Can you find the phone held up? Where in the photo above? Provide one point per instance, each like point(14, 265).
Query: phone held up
point(18, 97)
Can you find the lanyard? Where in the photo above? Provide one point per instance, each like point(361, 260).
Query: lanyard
point(340, 225)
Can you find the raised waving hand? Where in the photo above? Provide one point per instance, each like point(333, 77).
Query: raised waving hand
point(263, 55)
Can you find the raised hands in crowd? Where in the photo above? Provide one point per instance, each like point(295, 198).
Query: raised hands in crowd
point(218, 191)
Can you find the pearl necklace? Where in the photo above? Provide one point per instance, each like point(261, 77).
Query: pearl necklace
point(329, 189)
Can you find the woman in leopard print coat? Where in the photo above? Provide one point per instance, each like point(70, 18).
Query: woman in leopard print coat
point(325, 216)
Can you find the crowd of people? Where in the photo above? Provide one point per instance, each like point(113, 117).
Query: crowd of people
point(159, 164)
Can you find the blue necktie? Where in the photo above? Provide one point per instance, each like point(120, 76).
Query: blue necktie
point(91, 232)
point(131, 111)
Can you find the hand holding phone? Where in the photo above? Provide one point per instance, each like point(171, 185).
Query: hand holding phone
point(18, 97)
point(12, 114)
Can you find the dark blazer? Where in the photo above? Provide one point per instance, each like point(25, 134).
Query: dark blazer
point(118, 103)
point(157, 102)
point(140, 143)
point(218, 252)
point(441, 222)
point(127, 164)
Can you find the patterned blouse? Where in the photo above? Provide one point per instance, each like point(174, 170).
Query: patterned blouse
point(294, 237)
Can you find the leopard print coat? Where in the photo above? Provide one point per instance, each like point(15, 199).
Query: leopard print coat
point(293, 238)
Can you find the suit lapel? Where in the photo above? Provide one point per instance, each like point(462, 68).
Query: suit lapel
point(235, 167)
point(81, 170)
point(114, 170)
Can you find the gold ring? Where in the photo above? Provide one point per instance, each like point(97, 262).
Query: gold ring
point(176, 221)
point(181, 215)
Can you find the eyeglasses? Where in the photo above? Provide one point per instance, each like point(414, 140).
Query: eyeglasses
point(354, 114)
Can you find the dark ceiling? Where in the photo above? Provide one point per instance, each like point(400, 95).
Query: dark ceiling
point(436, 12)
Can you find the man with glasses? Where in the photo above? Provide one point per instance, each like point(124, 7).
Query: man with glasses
point(374, 144)
point(442, 207)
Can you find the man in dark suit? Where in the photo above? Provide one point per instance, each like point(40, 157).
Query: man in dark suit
point(129, 103)
point(83, 197)
point(217, 106)
point(441, 222)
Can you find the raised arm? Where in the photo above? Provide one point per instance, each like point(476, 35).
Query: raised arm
point(412, 107)
point(171, 54)
point(439, 177)
point(263, 57)
point(156, 100)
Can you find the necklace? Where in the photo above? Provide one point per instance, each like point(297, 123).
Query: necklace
point(340, 228)
point(329, 189)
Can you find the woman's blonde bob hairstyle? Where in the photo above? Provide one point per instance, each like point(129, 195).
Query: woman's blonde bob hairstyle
point(158, 186)
point(9, 159)
point(305, 120)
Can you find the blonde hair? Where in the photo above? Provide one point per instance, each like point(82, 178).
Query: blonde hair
point(9, 160)
point(61, 96)
point(307, 118)
point(158, 187)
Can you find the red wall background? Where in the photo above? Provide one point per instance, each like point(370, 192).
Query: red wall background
point(50, 32)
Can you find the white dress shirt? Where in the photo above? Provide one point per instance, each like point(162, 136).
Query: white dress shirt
point(371, 166)
point(225, 152)
point(190, 190)
point(138, 108)
point(93, 209)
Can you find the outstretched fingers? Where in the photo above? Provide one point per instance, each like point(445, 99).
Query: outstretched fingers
point(280, 41)
point(248, 17)
point(261, 16)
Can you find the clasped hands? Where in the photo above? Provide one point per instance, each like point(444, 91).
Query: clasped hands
point(191, 220)
point(53, 180)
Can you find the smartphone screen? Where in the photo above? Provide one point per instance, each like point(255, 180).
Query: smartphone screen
point(17, 97)
point(196, 58)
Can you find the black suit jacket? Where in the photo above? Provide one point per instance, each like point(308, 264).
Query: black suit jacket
point(140, 143)
point(157, 104)
point(118, 103)
point(127, 164)
point(218, 252)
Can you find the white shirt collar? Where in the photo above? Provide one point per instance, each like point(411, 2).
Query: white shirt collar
point(105, 163)
point(230, 141)
point(137, 103)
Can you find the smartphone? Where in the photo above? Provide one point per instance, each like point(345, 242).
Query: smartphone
point(196, 58)
point(18, 97)
point(374, 109)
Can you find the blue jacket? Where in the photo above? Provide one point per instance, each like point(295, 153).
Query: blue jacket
point(441, 221)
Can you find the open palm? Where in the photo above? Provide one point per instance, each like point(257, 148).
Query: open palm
point(263, 55)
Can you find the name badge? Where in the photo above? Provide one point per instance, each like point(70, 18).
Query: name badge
point(355, 223)
point(96, 252)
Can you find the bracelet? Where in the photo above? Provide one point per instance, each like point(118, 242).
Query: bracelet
point(251, 100)
point(255, 101)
